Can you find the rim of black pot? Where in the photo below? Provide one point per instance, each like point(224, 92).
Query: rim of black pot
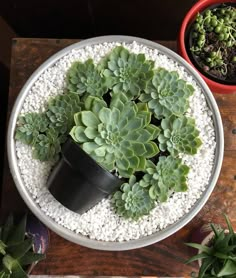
point(90, 166)
point(188, 43)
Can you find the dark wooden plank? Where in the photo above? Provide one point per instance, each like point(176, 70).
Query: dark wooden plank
point(227, 106)
point(87, 18)
point(64, 257)
point(46, 19)
point(153, 19)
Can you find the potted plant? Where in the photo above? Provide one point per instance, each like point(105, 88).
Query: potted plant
point(21, 246)
point(217, 251)
point(87, 182)
point(122, 114)
point(207, 40)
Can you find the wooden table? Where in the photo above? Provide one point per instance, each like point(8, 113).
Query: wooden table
point(165, 258)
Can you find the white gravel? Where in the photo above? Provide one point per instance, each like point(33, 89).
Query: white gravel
point(101, 222)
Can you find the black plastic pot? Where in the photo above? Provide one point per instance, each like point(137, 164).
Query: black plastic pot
point(193, 57)
point(78, 182)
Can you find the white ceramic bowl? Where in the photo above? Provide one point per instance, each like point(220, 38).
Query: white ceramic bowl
point(132, 244)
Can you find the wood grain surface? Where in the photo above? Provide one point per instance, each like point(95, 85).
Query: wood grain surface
point(165, 258)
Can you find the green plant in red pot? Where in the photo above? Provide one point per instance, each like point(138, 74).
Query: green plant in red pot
point(207, 40)
point(216, 252)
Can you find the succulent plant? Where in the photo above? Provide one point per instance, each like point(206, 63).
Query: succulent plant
point(16, 250)
point(132, 201)
point(47, 146)
point(107, 110)
point(168, 176)
point(219, 256)
point(29, 126)
point(212, 41)
point(46, 131)
point(86, 78)
point(167, 94)
point(61, 110)
point(119, 137)
point(127, 72)
point(179, 135)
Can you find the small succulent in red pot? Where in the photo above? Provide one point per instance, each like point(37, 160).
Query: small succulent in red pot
point(21, 246)
point(207, 40)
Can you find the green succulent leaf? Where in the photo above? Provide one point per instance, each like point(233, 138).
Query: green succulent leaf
point(31, 257)
point(85, 78)
point(2, 247)
point(167, 94)
point(127, 72)
point(179, 135)
point(18, 249)
point(61, 110)
point(29, 126)
point(17, 234)
point(168, 176)
point(13, 267)
point(7, 228)
point(46, 131)
point(47, 146)
point(219, 257)
point(132, 201)
point(119, 137)
point(4, 274)
point(228, 269)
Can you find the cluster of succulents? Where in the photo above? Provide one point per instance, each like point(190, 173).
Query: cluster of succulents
point(214, 38)
point(16, 249)
point(132, 200)
point(127, 72)
point(179, 135)
point(85, 78)
point(167, 94)
point(46, 131)
point(130, 118)
point(119, 137)
point(165, 177)
point(137, 198)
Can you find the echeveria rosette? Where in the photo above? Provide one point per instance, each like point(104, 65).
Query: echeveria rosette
point(127, 72)
point(169, 175)
point(61, 110)
point(132, 201)
point(119, 137)
point(46, 131)
point(167, 94)
point(86, 78)
point(29, 126)
point(179, 135)
point(48, 146)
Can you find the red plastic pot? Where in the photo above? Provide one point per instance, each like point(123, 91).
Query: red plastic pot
point(189, 18)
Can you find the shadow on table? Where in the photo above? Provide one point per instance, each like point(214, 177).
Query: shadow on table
point(4, 83)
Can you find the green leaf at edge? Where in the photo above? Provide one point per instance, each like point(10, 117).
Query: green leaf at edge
point(197, 257)
point(31, 257)
point(200, 247)
point(228, 269)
